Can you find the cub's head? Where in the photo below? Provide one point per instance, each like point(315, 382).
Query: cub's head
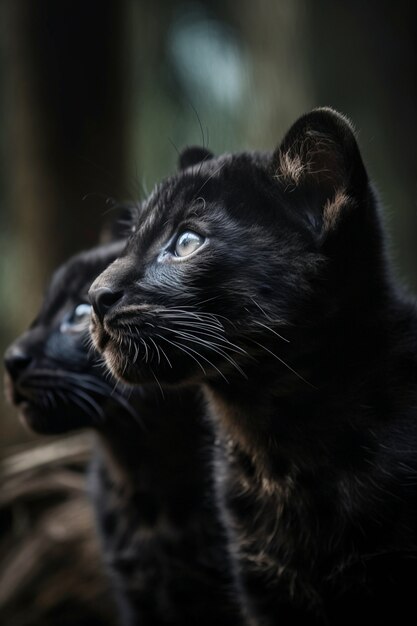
point(229, 256)
point(52, 375)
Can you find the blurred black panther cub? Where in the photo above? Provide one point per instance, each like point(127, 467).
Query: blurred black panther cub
point(161, 539)
point(264, 277)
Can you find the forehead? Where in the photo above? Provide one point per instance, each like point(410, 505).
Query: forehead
point(72, 280)
point(186, 188)
point(228, 183)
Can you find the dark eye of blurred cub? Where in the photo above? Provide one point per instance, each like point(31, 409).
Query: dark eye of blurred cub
point(78, 320)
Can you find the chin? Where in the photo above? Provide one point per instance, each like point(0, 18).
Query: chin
point(136, 372)
point(123, 369)
point(119, 366)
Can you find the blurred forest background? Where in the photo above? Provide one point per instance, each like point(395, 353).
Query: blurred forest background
point(97, 96)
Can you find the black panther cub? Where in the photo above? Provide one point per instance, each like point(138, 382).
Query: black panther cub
point(161, 539)
point(264, 277)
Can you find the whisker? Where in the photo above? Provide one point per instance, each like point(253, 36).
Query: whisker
point(208, 361)
point(216, 171)
point(283, 362)
point(165, 355)
point(146, 349)
point(272, 330)
point(86, 383)
point(158, 383)
point(210, 345)
point(195, 337)
point(158, 351)
point(206, 300)
point(180, 347)
point(202, 316)
point(260, 308)
point(201, 330)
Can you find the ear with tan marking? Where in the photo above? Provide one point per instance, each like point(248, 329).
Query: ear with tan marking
point(319, 158)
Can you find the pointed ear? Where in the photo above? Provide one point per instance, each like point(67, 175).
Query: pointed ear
point(319, 156)
point(120, 226)
point(192, 156)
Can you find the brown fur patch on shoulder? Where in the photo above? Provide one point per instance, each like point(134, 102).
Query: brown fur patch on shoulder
point(332, 209)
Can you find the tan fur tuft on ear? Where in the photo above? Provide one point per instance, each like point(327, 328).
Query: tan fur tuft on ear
point(316, 156)
point(332, 209)
point(290, 168)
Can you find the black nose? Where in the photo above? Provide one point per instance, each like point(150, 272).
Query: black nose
point(103, 299)
point(16, 361)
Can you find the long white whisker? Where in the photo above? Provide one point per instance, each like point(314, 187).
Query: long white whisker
point(272, 331)
point(211, 176)
point(180, 347)
point(211, 334)
point(208, 361)
point(146, 349)
point(165, 355)
point(157, 348)
point(158, 383)
point(194, 314)
point(199, 339)
point(210, 345)
point(283, 362)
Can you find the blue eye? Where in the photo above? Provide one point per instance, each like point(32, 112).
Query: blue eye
point(81, 313)
point(78, 319)
point(187, 243)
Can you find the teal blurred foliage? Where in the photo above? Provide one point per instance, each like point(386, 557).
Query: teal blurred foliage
point(230, 75)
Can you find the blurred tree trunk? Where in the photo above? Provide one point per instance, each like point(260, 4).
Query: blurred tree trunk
point(68, 128)
point(372, 79)
point(274, 33)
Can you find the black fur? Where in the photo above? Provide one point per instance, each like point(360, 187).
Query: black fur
point(54, 379)
point(287, 315)
point(161, 538)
